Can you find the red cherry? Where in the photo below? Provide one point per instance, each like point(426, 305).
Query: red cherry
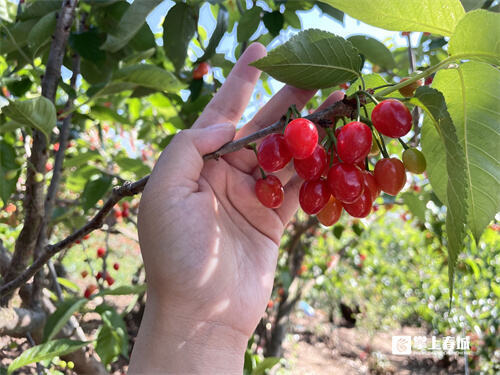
point(354, 142)
point(391, 118)
point(110, 280)
point(99, 275)
point(78, 242)
point(313, 196)
point(48, 166)
point(116, 266)
point(86, 237)
point(346, 182)
point(301, 137)
point(330, 214)
point(390, 175)
point(84, 274)
point(269, 191)
point(312, 168)
point(428, 81)
point(100, 252)
point(270, 304)
point(56, 146)
point(344, 86)
point(273, 153)
point(125, 205)
point(361, 207)
point(118, 213)
point(89, 291)
point(201, 70)
point(405, 33)
point(371, 184)
point(362, 257)
point(125, 213)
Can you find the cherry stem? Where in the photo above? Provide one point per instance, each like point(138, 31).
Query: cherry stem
point(367, 165)
point(383, 86)
point(358, 108)
point(253, 146)
point(372, 98)
point(405, 146)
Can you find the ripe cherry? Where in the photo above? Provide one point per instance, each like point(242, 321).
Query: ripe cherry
point(116, 266)
point(414, 160)
point(361, 207)
point(346, 182)
point(313, 196)
point(269, 191)
point(301, 137)
point(100, 252)
point(110, 280)
point(86, 237)
point(201, 70)
point(409, 90)
point(390, 175)
point(391, 118)
point(273, 153)
point(371, 184)
point(117, 213)
point(354, 142)
point(89, 291)
point(330, 214)
point(125, 213)
point(428, 81)
point(312, 168)
point(99, 275)
point(125, 205)
point(84, 274)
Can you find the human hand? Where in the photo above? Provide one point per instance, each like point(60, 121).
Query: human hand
point(209, 246)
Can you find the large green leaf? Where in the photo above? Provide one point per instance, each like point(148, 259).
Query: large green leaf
point(148, 76)
point(45, 351)
point(470, 94)
point(434, 16)
point(38, 113)
point(179, 28)
point(59, 317)
point(433, 102)
point(373, 50)
point(112, 339)
point(248, 24)
point(313, 59)
point(37, 9)
point(19, 32)
point(42, 31)
point(130, 23)
point(95, 190)
point(477, 36)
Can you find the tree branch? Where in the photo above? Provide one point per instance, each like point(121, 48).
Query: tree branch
point(17, 321)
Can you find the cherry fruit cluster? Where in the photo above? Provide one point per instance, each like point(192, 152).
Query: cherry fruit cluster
point(335, 171)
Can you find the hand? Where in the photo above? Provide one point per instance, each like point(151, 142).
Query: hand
point(209, 247)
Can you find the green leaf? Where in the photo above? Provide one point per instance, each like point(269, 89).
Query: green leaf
point(102, 113)
point(331, 11)
point(312, 59)
point(217, 35)
point(477, 36)
point(470, 93)
point(112, 339)
point(130, 23)
point(292, 19)
point(19, 31)
point(248, 24)
point(45, 351)
point(148, 76)
point(4, 11)
point(273, 21)
point(38, 113)
point(267, 364)
point(472, 4)
point(87, 45)
point(373, 50)
point(37, 9)
point(20, 86)
point(123, 290)
point(58, 319)
point(433, 102)
point(179, 28)
point(434, 16)
point(135, 166)
point(68, 283)
point(7, 163)
point(42, 31)
point(416, 204)
point(81, 159)
point(95, 190)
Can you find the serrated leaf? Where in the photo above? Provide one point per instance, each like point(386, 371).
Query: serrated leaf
point(416, 204)
point(95, 190)
point(434, 16)
point(312, 59)
point(130, 23)
point(217, 35)
point(45, 351)
point(38, 113)
point(58, 318)
point(477, 36)
point(273, 21)
point(248, 24)
point(472, 103)
point(179, 28)
point(373, 50)
point(433, 103)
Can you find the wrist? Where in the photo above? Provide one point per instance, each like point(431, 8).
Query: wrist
point(173, 341)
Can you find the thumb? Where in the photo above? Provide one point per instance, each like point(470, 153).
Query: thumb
point(180, 164)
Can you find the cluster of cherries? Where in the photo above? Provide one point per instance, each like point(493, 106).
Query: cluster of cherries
point(336, 178)
point(101, 252)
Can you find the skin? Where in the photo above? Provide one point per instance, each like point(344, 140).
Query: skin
point(209, 247)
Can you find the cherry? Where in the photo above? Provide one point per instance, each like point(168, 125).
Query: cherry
point(84, 274)
point(313, 196)
point(409, 90)
point(414, 160)
point(201, 70)
point(99, 275)
point(330, 214)
point(117, 213)
point(428, 81)
point(125, 213)
point(346, 182)
point(110, 280)
point(371, 184)
point(391, 118)
point(125, 205)
point(273, 153)
point(270, 304)
point(100, 252)
point(312, 168)
point(269, 191)
point(116, 266)
point(301, 136)
point(90, 290)
point(354, 142)
point(361, 207)
point(86, 237)
point(344, 86)
point(362, 257)
point(390, 175)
